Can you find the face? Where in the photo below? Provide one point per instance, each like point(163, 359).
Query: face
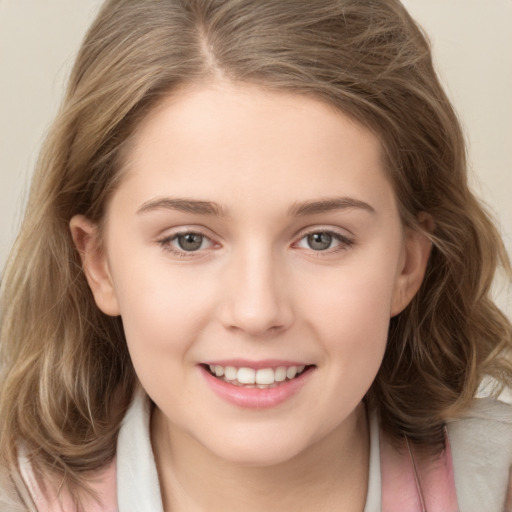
point(256, 237)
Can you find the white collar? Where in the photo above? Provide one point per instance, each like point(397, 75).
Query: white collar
point(373, 496)
point(137, 478)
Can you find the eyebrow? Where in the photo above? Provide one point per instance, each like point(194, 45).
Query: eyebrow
point(327, 205)
point(296, 210)
point(183, 205)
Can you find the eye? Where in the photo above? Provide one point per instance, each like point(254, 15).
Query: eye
point(319, 241)
point(186, 242)
point(323, 241)
point(189, 241)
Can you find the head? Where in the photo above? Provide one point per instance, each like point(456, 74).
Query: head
point(368, 61)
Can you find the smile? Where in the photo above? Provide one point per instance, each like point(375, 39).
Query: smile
point(262, 378)
point(267, 386)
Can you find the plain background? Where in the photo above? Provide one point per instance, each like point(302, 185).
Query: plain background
point(472, 44)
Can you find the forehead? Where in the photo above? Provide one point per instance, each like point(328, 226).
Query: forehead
point(242, 141)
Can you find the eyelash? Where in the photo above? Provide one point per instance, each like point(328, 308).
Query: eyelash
point(166, 243)
point(344, 243)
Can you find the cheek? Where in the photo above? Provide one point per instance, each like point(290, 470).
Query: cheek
point(355, 331)
point(159, 325)
point(352, 327)
point(354, 298)
point(160, 310)
point(350, 312)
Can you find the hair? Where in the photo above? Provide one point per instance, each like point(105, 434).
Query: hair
point(67, 378)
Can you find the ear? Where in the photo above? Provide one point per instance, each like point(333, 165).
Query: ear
point(413, 264)
point(95, 264)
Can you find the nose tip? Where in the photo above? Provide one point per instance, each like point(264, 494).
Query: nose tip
point(255, 302)
point(256, 321)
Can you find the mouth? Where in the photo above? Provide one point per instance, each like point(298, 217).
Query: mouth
point(260, 378)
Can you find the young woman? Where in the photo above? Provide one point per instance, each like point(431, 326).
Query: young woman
point(252, 276)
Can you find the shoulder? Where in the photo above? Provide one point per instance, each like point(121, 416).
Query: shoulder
point(45, 494)
point(14, 495)
point(481, 445)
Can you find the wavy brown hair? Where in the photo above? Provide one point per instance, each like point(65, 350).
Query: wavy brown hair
point(67, 378)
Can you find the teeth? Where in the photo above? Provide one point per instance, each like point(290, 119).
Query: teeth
point(246, 376)
point(262, 378)
point(230, 372)
point(291, 372)
point(265, 376)
point(280, 374)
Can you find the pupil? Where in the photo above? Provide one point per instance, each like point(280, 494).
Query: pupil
point(190, 241)
point(319, 241)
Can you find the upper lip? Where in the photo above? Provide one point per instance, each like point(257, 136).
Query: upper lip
point(263, 363)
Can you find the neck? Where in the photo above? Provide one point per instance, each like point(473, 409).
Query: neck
point(331, 474)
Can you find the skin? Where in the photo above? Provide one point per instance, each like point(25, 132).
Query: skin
point(255, 289)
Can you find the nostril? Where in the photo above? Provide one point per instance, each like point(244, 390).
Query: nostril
point(254, 308)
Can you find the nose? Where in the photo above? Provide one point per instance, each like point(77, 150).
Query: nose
point(255, 297)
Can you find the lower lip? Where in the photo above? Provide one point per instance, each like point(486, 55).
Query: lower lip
point(256, 398)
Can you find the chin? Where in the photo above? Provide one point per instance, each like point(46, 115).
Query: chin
point(259, 459)
point(260, 451)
